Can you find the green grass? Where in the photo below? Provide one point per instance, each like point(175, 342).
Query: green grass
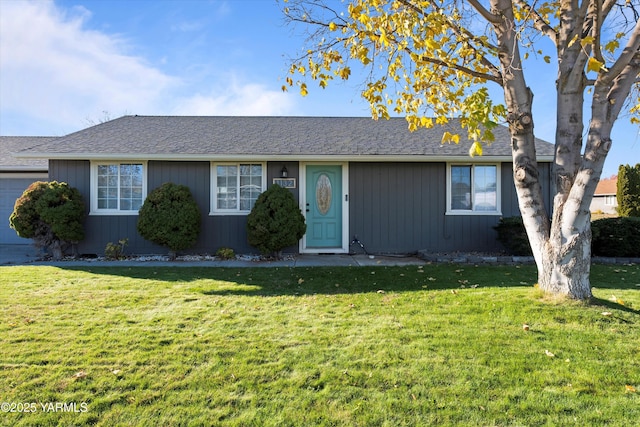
point(381, 346)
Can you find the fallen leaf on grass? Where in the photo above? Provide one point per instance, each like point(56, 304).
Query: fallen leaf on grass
point(80, 375)
point(616, 300)
point(606, 313)
point(116, 372)
point(629, 389)
point(548, 353)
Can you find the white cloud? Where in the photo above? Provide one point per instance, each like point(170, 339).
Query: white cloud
point(58, 74)
point(54, 69)
point(248, 99)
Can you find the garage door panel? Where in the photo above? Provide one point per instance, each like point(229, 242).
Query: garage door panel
point(10, 190)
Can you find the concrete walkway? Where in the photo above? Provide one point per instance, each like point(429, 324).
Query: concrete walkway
point(28, 255)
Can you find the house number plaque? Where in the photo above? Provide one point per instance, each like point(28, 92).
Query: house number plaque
point(323, 194)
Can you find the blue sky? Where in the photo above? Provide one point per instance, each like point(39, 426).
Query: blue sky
point(64, 63)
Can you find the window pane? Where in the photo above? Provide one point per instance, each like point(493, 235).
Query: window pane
point(120, 186)
point(461, 187)
point(485, 188)
point(130, 186)
point(238, 186)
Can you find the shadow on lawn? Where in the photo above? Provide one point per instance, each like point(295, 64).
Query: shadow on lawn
point(262, 281)
point(297, 281)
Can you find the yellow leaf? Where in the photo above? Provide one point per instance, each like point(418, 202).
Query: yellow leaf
point(432, 44)
point(303, 89)
point(612, 46)
point(573, 40)
point(587, 41)
point(630, 388)
point(595, 65)
point(284, 88)
point(547, 59)
point(476, 149)
point(446, 137)
point(332, 26)
point(383, 38)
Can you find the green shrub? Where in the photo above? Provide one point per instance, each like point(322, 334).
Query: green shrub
point(512, 235)
point(628, 190)
point(115, 250)
point(225, 253)
point(275, 222)
point(170, 217)
point(616, 237)
point(50, 213)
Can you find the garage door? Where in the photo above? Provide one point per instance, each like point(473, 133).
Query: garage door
point(10, 190)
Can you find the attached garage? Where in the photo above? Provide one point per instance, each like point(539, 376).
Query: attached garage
point(15, 176)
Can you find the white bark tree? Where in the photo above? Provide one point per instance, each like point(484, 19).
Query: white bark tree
point(431, 60)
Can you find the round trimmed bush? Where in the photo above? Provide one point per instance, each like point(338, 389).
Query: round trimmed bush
point(50, 213)
point(170, 217)
point(275, 221)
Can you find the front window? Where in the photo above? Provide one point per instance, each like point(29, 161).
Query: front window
point(237, 186)
point(118, 187)
point(473, 188)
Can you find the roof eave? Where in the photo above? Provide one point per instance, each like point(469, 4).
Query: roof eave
point(274, 157)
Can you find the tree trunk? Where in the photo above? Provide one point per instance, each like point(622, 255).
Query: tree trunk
point(566, 263)
point(561, 247)
point(56, 249)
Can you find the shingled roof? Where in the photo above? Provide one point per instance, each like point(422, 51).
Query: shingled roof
point(192, 138)
point(13, 144)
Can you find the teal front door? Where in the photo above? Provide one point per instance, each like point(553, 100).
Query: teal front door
point(323, 206)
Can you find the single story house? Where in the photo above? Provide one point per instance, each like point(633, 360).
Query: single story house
point(15, 176)
point(397, 191)
point(605, 198)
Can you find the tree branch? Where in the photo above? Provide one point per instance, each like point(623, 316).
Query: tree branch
point(486, 14)
point(630, 51)
point(539, 22)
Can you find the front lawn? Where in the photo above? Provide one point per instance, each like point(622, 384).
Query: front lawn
point(351, 346)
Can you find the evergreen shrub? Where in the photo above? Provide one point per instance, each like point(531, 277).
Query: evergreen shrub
point(170, 217)
point(616, 237)
point(628, 190)
point(50, 213)
point(275, 221)
point(513, 236)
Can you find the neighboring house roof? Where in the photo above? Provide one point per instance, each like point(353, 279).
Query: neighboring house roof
point(13, 144)
point(607, 186)
point(195, 138)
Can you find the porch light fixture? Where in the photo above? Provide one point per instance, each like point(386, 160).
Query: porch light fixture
point(284, 172)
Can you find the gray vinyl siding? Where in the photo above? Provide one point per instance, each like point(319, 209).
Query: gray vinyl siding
point(393, 208)
point(99, 229)
point(400, 208)
point(216, 231)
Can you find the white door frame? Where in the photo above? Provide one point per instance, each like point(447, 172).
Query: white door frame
point(344, 197)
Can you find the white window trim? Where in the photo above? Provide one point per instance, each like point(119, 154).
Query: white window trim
point(214, 189)
point(93, 210)
point(450, 211)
